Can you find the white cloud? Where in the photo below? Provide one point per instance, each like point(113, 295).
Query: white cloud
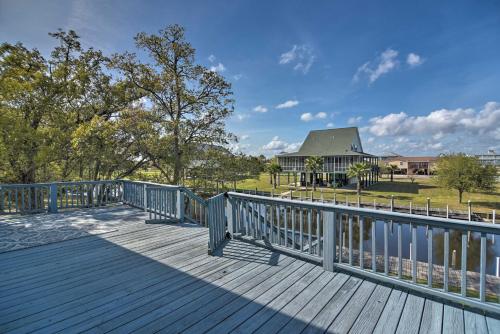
point(237, 77)
point(354, 120)
point(301, 56)
point(444, 130)
point(241, 117)
point(293, 147)
point(306, 117)
point(414, 60)
point(218, 68)
point(260, 108)
point(278, 145)
point(386, 62)
point(287, 104)
point(211, 58)
point(321, 115)
point(238, 147)
point(330, 125)
point(244, 137)
point(441, 122)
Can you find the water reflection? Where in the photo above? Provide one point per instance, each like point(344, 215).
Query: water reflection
point(455, 242)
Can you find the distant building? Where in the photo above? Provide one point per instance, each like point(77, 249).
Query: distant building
point(412, 165)
point(491, 158)
point(340, 148)
point(388, 156)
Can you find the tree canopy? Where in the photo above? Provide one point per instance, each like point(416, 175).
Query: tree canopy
point(79, 114)
point(314, 164)
point(464, 174)
point(358, 170)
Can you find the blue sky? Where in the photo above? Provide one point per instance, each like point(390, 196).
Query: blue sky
point(417, 78)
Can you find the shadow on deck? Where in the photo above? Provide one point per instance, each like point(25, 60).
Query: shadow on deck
point(148, 278)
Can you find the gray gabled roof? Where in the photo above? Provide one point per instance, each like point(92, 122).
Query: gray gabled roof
point(330, 142)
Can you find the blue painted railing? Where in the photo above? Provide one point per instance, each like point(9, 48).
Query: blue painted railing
point(216, 221)
point(336, 236)
point(166, 201)
point(345, 238)
point(51, 197)
point(161, 201)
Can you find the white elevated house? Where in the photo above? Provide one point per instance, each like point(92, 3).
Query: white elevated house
point(340, 148)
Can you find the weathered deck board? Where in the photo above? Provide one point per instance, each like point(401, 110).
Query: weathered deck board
point(453, 320)
point(475, 323)
point(265, 313)
point(145, 278)
point(367, 319)
point(432, 318)
point(389, 319)
point(412, 315)
point(351, 311)
point(315, 305)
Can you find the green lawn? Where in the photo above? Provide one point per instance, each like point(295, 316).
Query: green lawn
point(402, 189)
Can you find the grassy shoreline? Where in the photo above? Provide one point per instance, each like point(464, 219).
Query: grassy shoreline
point(403, 190)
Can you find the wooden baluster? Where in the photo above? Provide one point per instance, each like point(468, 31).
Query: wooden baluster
point(278, 214)
point(429, 257)
point(293, 212)
point(446, 237)
point(318, 232)
point(463, 286)
point(386, 247)
point(301, 227)
point(400, 251)
point(361, 242)
point(30, 191)
point(374, 246)
point(16, 197)
point(482, 270)
point(350, 239)
point(414, 251)
point(309, 228)
point(285, 222)
point(23, 206)
point(271, 214)
point(341, 238)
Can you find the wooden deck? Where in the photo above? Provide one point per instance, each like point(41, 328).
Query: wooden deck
point(146, 278)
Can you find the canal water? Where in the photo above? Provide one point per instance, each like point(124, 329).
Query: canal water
point(473, 249)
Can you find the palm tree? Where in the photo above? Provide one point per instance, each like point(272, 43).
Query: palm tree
point(358, 170)
point(392, 169)
point(273, 169)
point(314, 164)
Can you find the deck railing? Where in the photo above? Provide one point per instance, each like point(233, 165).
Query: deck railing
point(39, 197)
point(166, 201)
point(217, 221)
point(446, 258)
point(375, 244)
point(161, 201)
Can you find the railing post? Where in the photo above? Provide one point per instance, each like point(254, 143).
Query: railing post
point(180, 204)
point(329, 242)
point(53, 198)
point(231, 217)
point(211, 228)
point(145, 198)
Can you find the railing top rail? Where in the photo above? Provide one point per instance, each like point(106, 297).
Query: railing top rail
point(46, 184)
point(191, 194)
point(152, 184)
point(381, 214)
point(220, 195)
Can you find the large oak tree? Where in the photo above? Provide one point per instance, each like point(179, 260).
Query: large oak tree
point(189, 103)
